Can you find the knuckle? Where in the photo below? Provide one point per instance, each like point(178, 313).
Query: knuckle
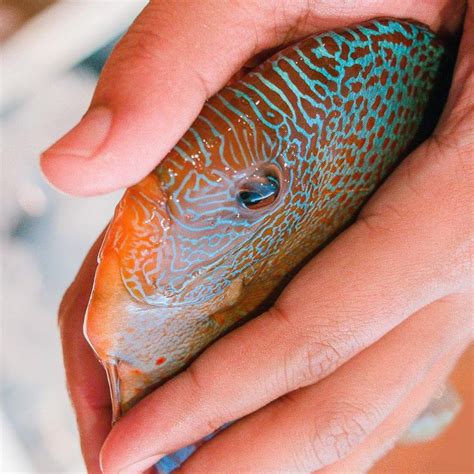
point(456, 197)
point(288, 402)
point(194, 383)
point(455, 135)
point(139, 49)
point(197, 386)
point(314, 350)
point(281, 315)
point(142, 46)
point(213, 424)
point(432, 201)
point(382, 222)
point(319, 359)
point(343, 428)
point(287, 375)
point(465, 172)
point(376, 223)
point(454, 158)
point(310, 359)
point(335, 430)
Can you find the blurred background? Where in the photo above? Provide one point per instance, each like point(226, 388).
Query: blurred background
point(51, 52)
point(51, 55)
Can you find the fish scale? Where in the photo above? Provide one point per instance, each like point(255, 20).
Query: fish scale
point(318, 126)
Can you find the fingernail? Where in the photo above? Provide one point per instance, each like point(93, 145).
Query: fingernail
point(140, 466)
point(86, 137)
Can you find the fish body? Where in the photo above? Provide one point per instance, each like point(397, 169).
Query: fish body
point(275, 165)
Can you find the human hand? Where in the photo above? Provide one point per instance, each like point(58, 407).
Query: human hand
point(417, 222)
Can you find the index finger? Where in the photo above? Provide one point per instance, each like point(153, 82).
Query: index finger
point(86, 380)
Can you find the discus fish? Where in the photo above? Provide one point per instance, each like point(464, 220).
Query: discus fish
point(275, 165)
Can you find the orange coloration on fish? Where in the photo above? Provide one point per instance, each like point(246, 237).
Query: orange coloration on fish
point(275, 166)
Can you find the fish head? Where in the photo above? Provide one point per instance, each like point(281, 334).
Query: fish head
point(188, 238)
point(189, 223)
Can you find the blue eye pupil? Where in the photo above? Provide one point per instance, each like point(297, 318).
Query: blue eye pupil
point(259, 193)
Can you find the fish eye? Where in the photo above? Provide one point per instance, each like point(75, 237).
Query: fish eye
point(259, 192)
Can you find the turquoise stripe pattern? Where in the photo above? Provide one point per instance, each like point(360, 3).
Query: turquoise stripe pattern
point(276, 164)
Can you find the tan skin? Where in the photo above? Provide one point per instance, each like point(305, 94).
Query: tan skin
point(365, 333)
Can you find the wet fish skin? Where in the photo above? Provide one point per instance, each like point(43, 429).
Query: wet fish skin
point(184, 260)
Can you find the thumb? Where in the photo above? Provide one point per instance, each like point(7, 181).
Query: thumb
point(175, 55)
